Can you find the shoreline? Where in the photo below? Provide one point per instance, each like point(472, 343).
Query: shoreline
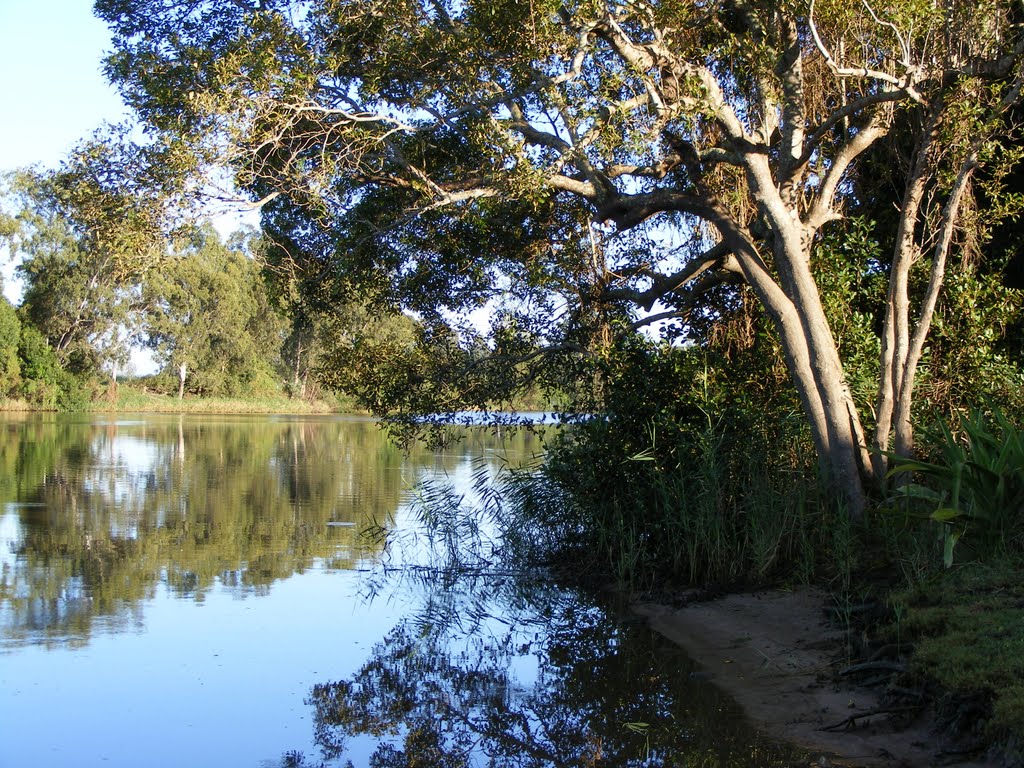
point(776, 655)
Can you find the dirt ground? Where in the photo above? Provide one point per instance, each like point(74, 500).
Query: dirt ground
point(777, 656)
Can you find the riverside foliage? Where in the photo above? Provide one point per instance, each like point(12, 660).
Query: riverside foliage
point(570, 160)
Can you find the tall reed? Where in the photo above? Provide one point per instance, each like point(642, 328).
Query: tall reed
point(708, 506)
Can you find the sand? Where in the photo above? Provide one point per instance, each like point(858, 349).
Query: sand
point(776, 654)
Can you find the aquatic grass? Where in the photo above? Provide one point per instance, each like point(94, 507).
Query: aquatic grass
point(16, 405)
point(706, 506)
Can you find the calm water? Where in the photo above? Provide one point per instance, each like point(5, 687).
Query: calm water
point(196, 591)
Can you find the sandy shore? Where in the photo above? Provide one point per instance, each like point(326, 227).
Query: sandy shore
point(776, 655)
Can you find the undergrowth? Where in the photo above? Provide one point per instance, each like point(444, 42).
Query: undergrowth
point(687, 509)
point(967, 628)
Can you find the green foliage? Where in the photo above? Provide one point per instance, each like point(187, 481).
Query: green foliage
point(10, 334)
point(29, 367)
point(975, 481)
point(975, 350)
point(85, 236)
point(207, 308)
point(683, 479)
point(849, 267)
point(40, 368)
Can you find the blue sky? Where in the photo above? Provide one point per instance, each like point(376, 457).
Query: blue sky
point(53, 89)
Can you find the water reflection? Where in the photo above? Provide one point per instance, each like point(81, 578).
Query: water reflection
point(98, 514)
point(543, 679)
point(183, 589)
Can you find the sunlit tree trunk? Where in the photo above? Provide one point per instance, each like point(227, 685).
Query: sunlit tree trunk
point(903, 342)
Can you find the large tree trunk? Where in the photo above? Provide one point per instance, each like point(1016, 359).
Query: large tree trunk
point(793, 302)
point(821, 385)
point(813, 362)
point(182, 372)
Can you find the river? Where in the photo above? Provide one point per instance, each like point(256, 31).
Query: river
point(249, 591)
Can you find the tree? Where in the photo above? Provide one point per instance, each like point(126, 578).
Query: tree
point(86, 237)
point(10, 334)
point(208, 316)
point(438, 154)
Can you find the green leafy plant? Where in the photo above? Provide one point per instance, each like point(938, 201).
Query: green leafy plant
point(976, 482)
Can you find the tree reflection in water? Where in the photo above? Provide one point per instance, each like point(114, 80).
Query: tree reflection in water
point(545, 678)
point(100, 513)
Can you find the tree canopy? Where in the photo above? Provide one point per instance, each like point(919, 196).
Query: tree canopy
point(206, 309)
point(85, 237)
point(587, 165)
point(106, 266)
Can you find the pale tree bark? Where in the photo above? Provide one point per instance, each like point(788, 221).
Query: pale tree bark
point(794, 212)
point(895, 327)
point(904, 444)
point(182, 373)
point(903, 342)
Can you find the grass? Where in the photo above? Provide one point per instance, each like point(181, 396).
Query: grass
point(695, 507)
point(132, 400)
point(967, 628)
point(15, 404)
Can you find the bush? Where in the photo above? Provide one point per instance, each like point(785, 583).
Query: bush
point(45, 384)
point(39, 368)
point(74, 393)
point(683, 478)
point(10, 333)
point(974, 486)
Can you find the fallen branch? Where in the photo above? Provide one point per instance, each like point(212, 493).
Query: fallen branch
point(851, 721)
point(873, 666)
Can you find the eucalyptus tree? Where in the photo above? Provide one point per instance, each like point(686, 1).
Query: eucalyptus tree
point(438, 154)
point(208, 316)
point(85, 236)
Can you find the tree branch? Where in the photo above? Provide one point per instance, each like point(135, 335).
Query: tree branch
point(685, 307)
point(822, 211)
point(662, 285)
point(906, 83)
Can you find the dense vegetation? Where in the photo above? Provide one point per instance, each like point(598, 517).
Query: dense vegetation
point(771, 246)
point(97, 283)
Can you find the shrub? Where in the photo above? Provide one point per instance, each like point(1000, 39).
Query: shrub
point(684, 478)
point(975, 483)
point(10, 333)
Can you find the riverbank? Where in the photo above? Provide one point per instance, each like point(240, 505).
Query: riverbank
point(141, 401)
point(781, 658)
point(129, 400)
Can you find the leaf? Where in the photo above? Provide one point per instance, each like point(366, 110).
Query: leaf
point(913, 466)
point(915, 491)
point(952, 537)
